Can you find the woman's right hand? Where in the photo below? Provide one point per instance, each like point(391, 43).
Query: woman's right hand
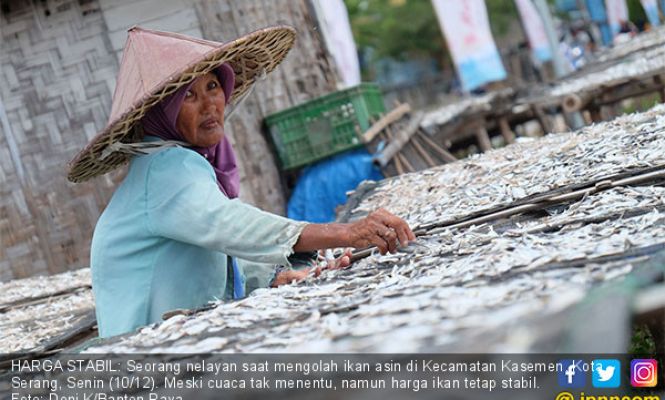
point(381, 229)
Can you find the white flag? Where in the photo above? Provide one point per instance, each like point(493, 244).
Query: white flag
point(535, 30)
point(617, 12)
point(336, 29)
point(651, 10)
point(467, 30)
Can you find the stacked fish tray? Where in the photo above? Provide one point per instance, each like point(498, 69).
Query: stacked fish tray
point(470, 118)
point(638, 74)
point(542, 246)
point(43, 313)
point(644, 41)
point(534, 247)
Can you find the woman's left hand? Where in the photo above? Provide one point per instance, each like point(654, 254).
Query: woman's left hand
point(288, 276)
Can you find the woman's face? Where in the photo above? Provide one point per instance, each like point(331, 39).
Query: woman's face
point(201, 116)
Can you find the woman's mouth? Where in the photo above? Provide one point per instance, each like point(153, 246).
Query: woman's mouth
point(209, 123)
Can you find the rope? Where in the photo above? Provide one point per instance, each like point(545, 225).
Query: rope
point(261, 77)
point(142, 148)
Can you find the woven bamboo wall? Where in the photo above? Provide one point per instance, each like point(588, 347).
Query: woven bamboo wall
point(305, 74)
point(57, 78)
point(58, 60)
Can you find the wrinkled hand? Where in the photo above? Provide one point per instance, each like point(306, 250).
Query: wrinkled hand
point(288, 276)
point(381, 229)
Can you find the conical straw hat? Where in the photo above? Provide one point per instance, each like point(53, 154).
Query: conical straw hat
point(155, 64)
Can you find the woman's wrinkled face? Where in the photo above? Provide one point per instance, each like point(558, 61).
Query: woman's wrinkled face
point(201, 116)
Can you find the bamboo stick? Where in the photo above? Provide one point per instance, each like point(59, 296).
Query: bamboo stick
point(445, 154)
point(421, 151)
point(384, 121)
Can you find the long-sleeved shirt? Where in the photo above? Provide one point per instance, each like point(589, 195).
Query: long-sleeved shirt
point(164, 239)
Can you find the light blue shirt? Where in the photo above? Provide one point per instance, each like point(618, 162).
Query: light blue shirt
point(163, 242)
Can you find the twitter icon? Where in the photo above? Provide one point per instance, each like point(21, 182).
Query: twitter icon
point(606, 373)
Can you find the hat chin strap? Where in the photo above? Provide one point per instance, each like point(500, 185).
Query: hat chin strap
point(144, 148)
point(261, 77)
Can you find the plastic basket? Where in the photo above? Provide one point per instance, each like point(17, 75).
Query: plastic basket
point(325, 126)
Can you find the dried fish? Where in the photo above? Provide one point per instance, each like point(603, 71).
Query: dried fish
point(647, 62)
point(634, 47)
point(25, 328)
point(40, 286)
point(487, 286)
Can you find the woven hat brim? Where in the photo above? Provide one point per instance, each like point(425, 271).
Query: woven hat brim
point(248, 55)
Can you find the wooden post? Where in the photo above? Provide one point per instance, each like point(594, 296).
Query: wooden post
point(399, 157)
point(506, 132)
point(443, 153)
point(384, 121)
point(398, 163)
point(541, 117)
point(596, 116)
point(421, 151)
point(397, 142)
point(659, 82)
point(483, 139)
point(587, 117)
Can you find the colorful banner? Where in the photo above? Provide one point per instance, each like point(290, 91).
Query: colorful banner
point(535, 30)
point(598, 15)
point(334, 22)
point(617, 12)
point(651, 10)
point(467, 30)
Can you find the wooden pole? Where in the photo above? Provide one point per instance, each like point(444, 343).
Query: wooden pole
point(483, 139)
point(399, 167)
point(384, 121)
point(506, 132)
point(399, 157)
point(421, 151)
point(659, 81)
point(397, 142)
point(541, 117)
point(445, 154)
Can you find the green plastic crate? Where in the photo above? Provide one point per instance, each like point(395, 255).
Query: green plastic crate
point(324, 126)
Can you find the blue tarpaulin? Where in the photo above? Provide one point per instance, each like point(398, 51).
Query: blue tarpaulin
point(323, 186)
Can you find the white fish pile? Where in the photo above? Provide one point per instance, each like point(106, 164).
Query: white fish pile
point(527, 168)
point(32, 315)
point(24, 328)
point(489, 286)
point(447, 113)
point(39, 286)
point(649, 61)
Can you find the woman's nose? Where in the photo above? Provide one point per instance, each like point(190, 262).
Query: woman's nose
point(209, 102)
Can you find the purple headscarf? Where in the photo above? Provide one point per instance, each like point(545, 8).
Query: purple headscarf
point(160, 121)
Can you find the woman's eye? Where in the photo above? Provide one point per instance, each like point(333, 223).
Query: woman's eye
point(188, 94)
point(213, 85)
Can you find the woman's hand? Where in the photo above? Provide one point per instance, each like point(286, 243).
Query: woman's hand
point(288, 276)
point(381, 229)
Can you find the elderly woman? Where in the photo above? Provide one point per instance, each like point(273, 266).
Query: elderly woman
point(174, 235)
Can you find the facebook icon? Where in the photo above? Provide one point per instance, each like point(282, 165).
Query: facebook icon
point(571, 374)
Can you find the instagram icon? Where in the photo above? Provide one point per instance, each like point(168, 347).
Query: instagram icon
point(644, 373)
